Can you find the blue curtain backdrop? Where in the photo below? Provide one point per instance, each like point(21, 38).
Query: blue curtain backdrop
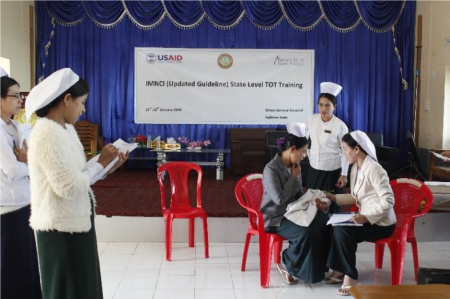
point(353, 42)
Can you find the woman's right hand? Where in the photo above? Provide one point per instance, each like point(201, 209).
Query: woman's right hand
point(109, 152)
point(295, 170)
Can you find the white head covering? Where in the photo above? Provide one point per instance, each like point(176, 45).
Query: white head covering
point(297, 129)
point(3, 72)
point(364, 141)
point(49, 89)
point(331, 88)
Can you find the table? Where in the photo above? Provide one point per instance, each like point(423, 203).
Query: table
point(423, 291)
point(161, 157)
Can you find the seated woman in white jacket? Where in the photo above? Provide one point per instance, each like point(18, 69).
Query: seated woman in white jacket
point(372, 194)
point(62, 202)
point(17, 238)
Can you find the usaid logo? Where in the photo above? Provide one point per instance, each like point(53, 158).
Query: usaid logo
point(163, 58)
point(151, 58)
point(288, 61)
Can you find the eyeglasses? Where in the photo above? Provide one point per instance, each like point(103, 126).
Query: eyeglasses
point(17, 96)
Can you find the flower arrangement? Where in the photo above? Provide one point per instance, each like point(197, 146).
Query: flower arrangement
point(198, 144)
point(183, 140)
point(141, 140)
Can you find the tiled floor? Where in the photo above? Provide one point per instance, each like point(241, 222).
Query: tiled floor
point(141, 271)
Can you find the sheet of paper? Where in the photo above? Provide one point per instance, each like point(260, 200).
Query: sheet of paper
point(441, 157)
point(342, 220)
point(24, 131)
point(122, 147)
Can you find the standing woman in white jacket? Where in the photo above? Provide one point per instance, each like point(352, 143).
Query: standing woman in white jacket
point(372, 194)
point(19, 266)
point(62, 201)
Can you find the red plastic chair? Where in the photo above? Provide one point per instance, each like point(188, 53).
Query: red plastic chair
point(249, 192)
point(179, 202)
point(409, 195)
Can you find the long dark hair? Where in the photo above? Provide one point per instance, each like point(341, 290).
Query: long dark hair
point(7, 82)
point(348, 139)
point(289, 141)
point(328, 96)
point(77, 90)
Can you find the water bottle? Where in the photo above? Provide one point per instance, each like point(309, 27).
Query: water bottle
point(149, 141)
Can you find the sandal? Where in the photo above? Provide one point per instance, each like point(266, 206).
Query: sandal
point(344, 290)
point(333, 280)
point(287, 278)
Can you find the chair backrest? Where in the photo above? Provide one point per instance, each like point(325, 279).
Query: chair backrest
point(272, 136)
point(376, 138)
point(249, 192)
point(412, 199)
point(88, 134)
point(178, 174)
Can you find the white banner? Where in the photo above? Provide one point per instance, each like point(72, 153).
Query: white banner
point(223, 86)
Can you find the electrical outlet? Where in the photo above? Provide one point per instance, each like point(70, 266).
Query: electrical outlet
point(426, 105)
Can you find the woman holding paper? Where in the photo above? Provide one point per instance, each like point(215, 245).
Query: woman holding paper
point(328, 166)
point(282, 186)
point(62, 202)
point(372, 194)
point(17, 238)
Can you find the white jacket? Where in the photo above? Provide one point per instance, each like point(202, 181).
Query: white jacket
point(15, 184)
point(303, 211)
point(60, 186)
point(326, 151)
point(371, 192)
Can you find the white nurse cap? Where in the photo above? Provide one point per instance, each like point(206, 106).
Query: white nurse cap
point(49, 89)
point(331, 88)
point(365, 143)
point(297, 129)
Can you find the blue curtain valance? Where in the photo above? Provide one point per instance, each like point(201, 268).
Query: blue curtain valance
point(343, 16)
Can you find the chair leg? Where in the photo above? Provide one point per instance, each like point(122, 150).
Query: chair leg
point(397, 248)
point(191, 232)
point(379, 252)
point(205, 236)
point(268, 260)
point(244, 256)
point(415, 256)
point(262, 259)
point(277, 252)
point(169, 221)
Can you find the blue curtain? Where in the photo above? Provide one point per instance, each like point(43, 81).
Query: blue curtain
point(353, 45)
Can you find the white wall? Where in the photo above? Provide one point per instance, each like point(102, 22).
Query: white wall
point(435, 58)
point(15, 39)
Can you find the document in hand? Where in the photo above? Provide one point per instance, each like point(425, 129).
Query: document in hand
point(342, 220)
point(441, 157)
point(123, 147)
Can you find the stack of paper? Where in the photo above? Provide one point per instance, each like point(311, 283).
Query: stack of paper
point(342, 220)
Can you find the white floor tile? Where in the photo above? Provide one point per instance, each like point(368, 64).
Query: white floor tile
point(214, 294)
point(144, 269)
point(255, 293)
point(138, 282)
point(439, 264)
point(444, 246)
point(213, 282)
point(134, 294)
point(108, 293)
point(176, 283)
point(120, 248)
point(113, 269)
point(212, 269)
point(432, 256)
point(146, 259)
point(115, 258)
point(420, 247)
point(174, 294)
point(301, 290)
point(150, 248)
point(246, 281)
point(101, 247)
point(111, 281)
point(177, 269)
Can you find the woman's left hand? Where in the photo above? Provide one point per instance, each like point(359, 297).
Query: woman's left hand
point(342, 181)
point(359, 219)
point(122, 158)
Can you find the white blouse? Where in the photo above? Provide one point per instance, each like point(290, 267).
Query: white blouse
point(326, 151)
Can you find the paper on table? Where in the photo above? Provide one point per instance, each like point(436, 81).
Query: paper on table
point(441, 157)
point(123, 147)
point(24, 131)
point(342, 220)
